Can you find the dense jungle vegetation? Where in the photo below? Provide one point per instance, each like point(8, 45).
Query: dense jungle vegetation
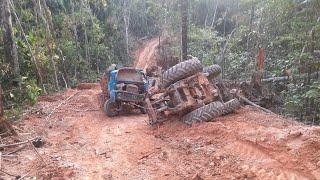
point(49, 45)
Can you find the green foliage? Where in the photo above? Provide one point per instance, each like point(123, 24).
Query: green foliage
point(77, 38)
point(282, 28)
point(17, 98)
point(33, 92)
point(203, 43)
point(80, 38)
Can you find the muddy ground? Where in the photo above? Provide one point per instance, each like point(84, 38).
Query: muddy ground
point(81, 142)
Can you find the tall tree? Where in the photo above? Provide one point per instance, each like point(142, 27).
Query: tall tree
point(184, 28)
point(49, 41)
point(83, 6)
point(126, 19)
point(10, 48)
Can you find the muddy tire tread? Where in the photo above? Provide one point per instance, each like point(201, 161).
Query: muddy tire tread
point(108, 110)
point(204, 113)
point(210, 111)
point(231, 106)
point(181, 71)
point(213, 70)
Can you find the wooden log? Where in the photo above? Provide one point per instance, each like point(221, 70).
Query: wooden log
point(59, 105)
point(84, 86)
point(254, 105)
point(14, 144)
point(287, 78)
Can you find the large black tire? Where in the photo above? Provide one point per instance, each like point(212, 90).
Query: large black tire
point(213, 71)
point(110, 108)
point(211, 111)
point(181, 71)
point(204, 113)
point(231, 106)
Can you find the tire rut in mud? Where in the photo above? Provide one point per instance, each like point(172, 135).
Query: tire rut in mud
point(259, 161)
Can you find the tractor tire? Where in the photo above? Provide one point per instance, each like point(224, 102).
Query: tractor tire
point(110, 108)
point(213, 71)
point(181, 71)
point(231, 106)
point(209, 112)
point(205, 113)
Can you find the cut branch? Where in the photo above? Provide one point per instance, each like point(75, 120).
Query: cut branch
point(59, 105)
point(254, 105)
point(13, 144)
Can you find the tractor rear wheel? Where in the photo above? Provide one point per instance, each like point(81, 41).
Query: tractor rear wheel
point(181, 71)
point(110, 108)
point(204, 113)
point(211, 111)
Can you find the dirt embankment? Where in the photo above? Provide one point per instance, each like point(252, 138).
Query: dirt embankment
point(82, 143)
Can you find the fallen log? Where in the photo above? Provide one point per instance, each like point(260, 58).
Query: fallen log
point(14, 144)
point(254, 105)
point(59, 105)
point(17, 150)
point(287, 78)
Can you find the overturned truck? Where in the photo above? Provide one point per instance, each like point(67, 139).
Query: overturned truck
point(123, 87)
point(191, 92)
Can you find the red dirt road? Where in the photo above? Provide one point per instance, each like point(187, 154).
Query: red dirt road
point(82, 143)
point(145, 56)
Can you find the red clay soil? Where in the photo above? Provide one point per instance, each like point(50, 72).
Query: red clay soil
point(145, 56)
point(81, 142)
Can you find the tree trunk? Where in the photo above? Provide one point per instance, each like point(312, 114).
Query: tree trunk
point(126, 18)
point(86, 44)
point(250, 26)
point(214, 16)
point(251, 17)
point(257, 76)
point(184, 29)
point(74, 29)
point(206, 19)
point(10, 48)
point(56, 41)
point(84, 25)
point(49, 44)
point(50, 29)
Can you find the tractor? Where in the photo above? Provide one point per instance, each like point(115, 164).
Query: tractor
point(187, 90)
point(123, 87)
